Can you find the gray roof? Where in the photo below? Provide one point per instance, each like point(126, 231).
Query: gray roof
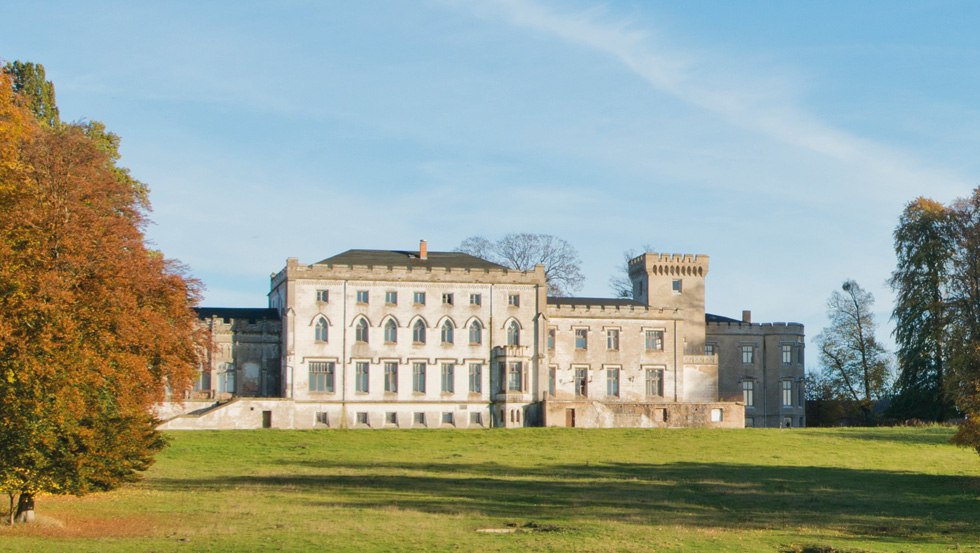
point(399, 258)
point(595, 302)
point(709, 318)
point(236, 313)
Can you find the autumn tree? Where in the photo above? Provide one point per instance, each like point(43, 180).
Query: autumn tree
point(853, 362)
point(522, 251)
point(96, 327)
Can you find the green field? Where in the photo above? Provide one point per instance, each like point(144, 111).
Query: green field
point(886, 489)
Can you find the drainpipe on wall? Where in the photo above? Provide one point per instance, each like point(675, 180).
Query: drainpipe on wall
point(765, 384)
point(675, 361)
point(343, 364)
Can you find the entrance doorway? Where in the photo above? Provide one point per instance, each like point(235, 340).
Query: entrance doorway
point(570, 418)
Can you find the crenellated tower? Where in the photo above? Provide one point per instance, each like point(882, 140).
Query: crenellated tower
point(674, 282)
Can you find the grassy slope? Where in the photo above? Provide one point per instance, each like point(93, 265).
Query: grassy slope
point(893, 489)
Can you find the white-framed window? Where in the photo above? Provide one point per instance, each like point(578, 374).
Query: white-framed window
point(323, 296)
point(320, 332)
point(447, 418)
point(476, 333)
point(418, 418)
point(476, 299)
point(677, 286)
point(321, 376)
point(612, 339)
point(391, 297)
point(391, 332)
point(418, 298)
point(362, 377)
point(515, 377)
point(581, 338)
point(447, 332)
point(748, 354)
point(361, 331)
point(514, 300)
point(513, 334)
point(391, 376)
point(612, 382)
point(448, 378)
point(362, 418)
point(418, 332)
point(748, 393)
point(787, 389)
point(654, 340)
point(787, 351)
point(418, 377)
point(391, 418)
point(447, 299)
point(362, 296)
point(552, 334)
point(476, 378)
point(582, 381)
point(654, 382)
point(476, 418)
point(322, 418)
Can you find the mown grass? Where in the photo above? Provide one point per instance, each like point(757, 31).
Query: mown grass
point(887, 489)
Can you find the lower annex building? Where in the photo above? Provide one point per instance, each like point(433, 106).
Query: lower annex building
point(419, 339)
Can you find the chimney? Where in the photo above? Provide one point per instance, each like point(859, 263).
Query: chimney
point(746, 316)
point(423, 250)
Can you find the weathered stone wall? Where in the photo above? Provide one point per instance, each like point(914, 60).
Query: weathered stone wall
point(596, 414)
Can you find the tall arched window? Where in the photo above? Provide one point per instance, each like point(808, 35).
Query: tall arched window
point(447, 332)
point(418, 332)
point(320, 330)
point(361, 331)
point(476, 333)
point(514, 334)
point(391, 332)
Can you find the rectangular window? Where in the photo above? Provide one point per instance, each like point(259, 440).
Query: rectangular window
point(581, 338)
point(787, 354)
point(515, 377)
point(551, 338)
point(476, 378)
point(582, 381)
point(391, 376)
point(448, 378)
point(418, 298)
point(321, 376)
point(362, 418)
point(655, 382)
point(716, 415)
point(476, 419)
point(552, 380)
point(418, 378)
point(748, 393)
point(391, 297)
point(447, 299)
point(362, 374)
point(362, 296)
point(476, 299)
point(514, 300)
point(391, 418)
point(418, 418)
point(447, 418)
point(654, 340)
point(677, 286)
point(323, 296)
point(709, 349)
point(612, 382)
point(748, 354)
point(787, 393)
point(322, 419)
point(612, 339)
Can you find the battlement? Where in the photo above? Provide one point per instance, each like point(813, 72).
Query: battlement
point(295, 270)
point(674, 264)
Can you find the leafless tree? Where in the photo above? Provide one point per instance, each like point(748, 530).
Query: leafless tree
point(523, 250)
point(620, 283)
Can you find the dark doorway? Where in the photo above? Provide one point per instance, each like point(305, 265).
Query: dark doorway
point(266, 419)
point(570, 418)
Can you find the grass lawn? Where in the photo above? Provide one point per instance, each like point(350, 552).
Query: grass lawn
point(885, 489)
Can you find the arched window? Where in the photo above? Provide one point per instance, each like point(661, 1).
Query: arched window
point(514, 334)
point(320, 330)
point(418, 332)
point(476, 333)
point(391, 332)
point(361, 331)
point(447, 332)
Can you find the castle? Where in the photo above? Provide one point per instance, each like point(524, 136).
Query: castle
point(419, 339)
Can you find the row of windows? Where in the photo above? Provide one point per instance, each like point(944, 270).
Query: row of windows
point(419, 418)
point(446, 333)
point(654, 380)
point(653, 339)
point(418, 298)
point(748, 353)
point(322, 377)
point(786, 392)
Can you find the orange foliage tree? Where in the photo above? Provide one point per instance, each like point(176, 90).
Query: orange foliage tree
point(94, 326)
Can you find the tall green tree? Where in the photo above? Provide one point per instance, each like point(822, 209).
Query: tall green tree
point(854, 363)
point(924, 249)
point(31, 86)
point(964, 317)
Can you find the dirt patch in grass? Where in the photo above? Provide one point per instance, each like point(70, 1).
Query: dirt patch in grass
point(81, 527)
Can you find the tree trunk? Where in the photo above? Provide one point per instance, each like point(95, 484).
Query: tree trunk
point(25, 508)
point(10, 513)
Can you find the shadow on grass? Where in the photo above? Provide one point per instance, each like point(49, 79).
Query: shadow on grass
point(877, 505)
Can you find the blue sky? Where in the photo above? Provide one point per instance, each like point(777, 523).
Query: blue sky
point(780, 138)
